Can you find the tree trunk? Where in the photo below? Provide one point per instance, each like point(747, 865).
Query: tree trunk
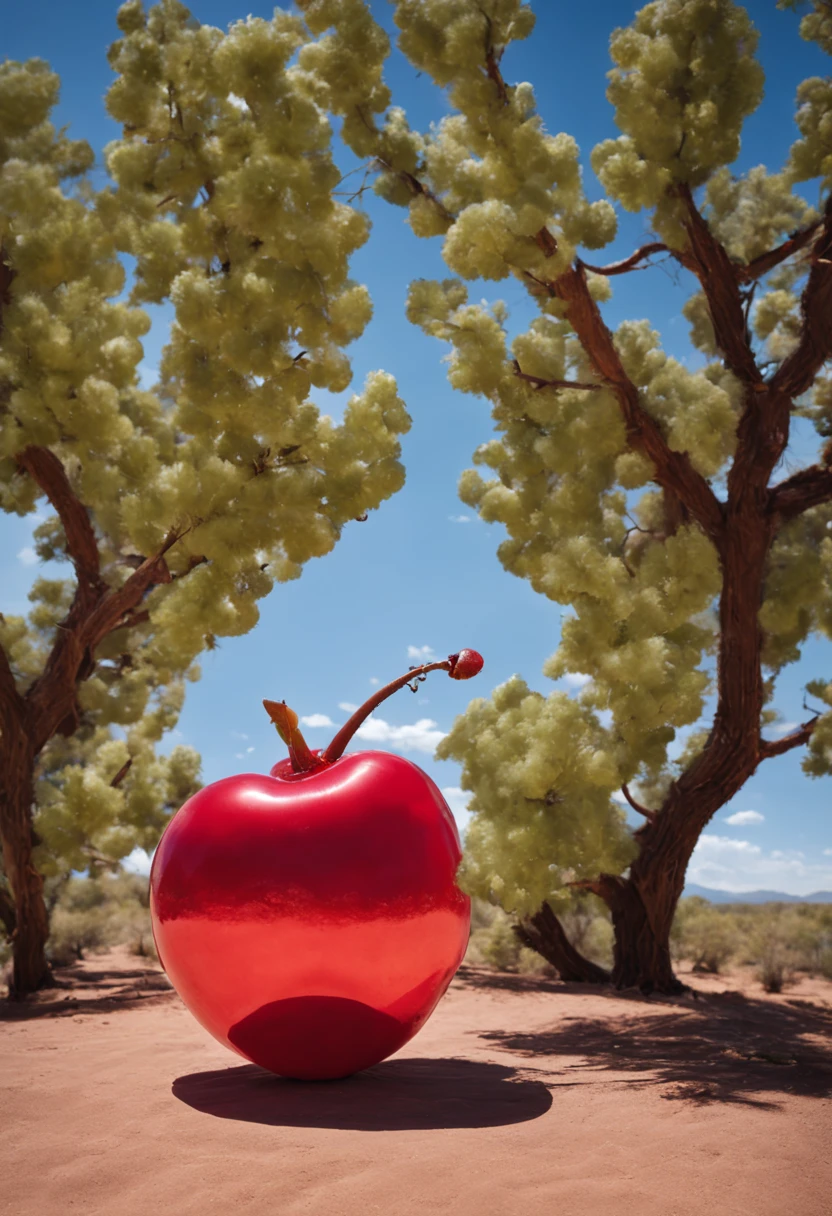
point(643, 904)
point(30, 967)
point(641, 952)
point(545, 934)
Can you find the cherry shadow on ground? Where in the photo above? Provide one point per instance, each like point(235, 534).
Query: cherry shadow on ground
point(725, 1047)
point(396, 1095)
point(82, 989)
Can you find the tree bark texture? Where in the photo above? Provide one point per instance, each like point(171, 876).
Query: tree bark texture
point(544, 933)
point(742, 529)
point(29, 919)
point(49, 706)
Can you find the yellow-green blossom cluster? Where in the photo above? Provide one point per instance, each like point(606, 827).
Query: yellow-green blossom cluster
point(541, 775)
point(584, 521)
point(223, 195)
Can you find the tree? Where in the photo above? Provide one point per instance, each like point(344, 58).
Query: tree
point(645, 496)
point(181, 506)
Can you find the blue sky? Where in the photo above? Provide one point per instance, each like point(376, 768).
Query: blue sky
point(422, 572)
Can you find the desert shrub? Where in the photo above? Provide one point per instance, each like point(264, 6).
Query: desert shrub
point(778, 939)
point(706, 935)
point(76, 930)
point(588, 925)
point(91, 914)
point(501, 946)
point(483, 914)
point(773, 945)
point(811, 937)
point(494, 943)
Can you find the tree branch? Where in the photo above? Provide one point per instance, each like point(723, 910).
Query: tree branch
point(797, 372)
point(51, 700)
point(718, 275)
point(673, 470)
point(539, 382)
point(109, 613)
point(641, 810)
point(492, 63)
point(122, 773)
point(44, 467)
point(761, 265)
point(797, 738)
point(605, 886)
point(544, 933)
point(808, 488)
point(630, 263)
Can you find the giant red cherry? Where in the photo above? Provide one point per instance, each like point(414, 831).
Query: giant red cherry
point(311, 919)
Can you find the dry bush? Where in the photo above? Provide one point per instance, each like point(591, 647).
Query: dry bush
point(92, 914)
point(73, 931)
point(494, 943)
point(707, 936)
point(773, 946)
point(811, 938)
point(501, 947)
point(778, 939)
point(588, 925)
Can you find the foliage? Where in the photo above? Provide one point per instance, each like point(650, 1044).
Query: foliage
point(93, 914)
point(180, 506)
point(704, 935)
point(779, 940)
point(494, 944)
point(609, 454)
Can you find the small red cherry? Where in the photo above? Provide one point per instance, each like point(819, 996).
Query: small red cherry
point(464, 665)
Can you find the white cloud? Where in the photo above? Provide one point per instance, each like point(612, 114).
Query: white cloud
point(27, 556)
point(138, 862)
point(739, 865)
point(238, 734)
point(347, 707)
point(315, 720)
point(374, 680)
point(249, 749)
point(741, 818)
point(576, 679)
point(782, 728)
point(421, 736)
point(423, 654)
point(711, 845)
point(460, 519)
point(458, 799)
point(239, 755)
point(827, 852)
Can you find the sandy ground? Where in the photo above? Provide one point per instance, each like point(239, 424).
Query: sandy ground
point(520, 1096)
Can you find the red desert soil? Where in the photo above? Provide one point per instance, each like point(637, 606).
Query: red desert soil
point(521, 1096)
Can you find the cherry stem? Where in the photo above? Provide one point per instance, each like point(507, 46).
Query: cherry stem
point(336, 747)
point(286, 721)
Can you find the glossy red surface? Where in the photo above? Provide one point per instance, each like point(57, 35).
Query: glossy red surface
point(312, 922)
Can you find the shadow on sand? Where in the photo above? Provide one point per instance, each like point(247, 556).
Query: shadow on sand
point(723, 1048)
point(82, 989)
point(397, 1095)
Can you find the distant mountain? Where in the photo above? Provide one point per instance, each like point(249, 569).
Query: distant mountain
point(756, 897)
